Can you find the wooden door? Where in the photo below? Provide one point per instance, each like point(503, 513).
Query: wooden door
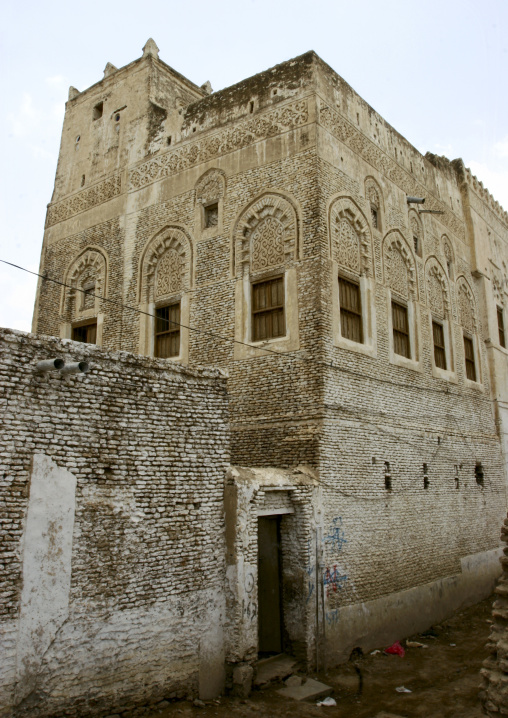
point(269, 585)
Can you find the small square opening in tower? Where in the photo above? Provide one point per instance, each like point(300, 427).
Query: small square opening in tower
point(97, 111)
point(212, 215)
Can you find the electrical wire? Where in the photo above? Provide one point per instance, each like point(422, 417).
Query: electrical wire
point(217, 335)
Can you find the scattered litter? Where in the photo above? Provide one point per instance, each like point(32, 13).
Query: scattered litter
point(327, 702)
point(199, 703)
point(374, 653)
point(453, 644)
point(402, 689)
point(415, 644)
point(395, 650)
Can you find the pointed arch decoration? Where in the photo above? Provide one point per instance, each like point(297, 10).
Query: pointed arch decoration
point(374, 197)
point(266, 235)
point(350, 239)
point(211, 186)
point(438, 295)
point(88, 270)
point(166, 265)
point(399, 266)
point(449, 254)
point(416, 231)
point(467, 306)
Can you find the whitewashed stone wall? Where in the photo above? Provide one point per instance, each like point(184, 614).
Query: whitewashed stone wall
point(112, 547)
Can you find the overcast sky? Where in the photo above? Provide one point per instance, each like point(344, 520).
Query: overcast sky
point(435, 70)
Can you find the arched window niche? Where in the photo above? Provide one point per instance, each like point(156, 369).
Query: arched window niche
point(352, 277)
point(86, 285)
point(399, 270)
point(165, 282)
point(265, 249)
point(440, 320)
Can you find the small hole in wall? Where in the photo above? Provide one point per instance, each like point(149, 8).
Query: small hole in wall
point(438, 439)
point(194, 129)
point(425, 469)
point(388, 478)
point(411, 165)
point(117, 118)
point(274, 92)
point(478, 473)
point(251, 107)
point(456, 482)
point(425, 482)
point(168, 140)
point(357, 118)
point(82, 180)
point(78, 139)
point(97, 111)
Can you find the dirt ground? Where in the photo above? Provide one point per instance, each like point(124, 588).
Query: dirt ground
point(443, 679)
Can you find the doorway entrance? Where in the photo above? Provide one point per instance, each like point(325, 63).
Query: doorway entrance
point(269, 586)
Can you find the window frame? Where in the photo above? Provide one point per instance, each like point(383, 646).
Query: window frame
point(500, 326)
point(350, 312)
point(89, 323)
point(367, 295)
point(270, 310)
point(397, 331)
point(468, 339)
point(439, 349)
point(206, 209)
point(170, 332)
point(413, 316)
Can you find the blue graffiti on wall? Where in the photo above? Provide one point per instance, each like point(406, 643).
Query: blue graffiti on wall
point(336, 535)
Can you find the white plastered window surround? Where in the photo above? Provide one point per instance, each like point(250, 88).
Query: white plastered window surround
point(438, 301)
point(351, 252)
point(478, 384)
point(89, 271)
point(449, 373)
point(413, 317)
point(369, 344)
point(265, 246)
point(165, 277)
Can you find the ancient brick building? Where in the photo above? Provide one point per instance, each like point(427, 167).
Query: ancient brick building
point(277, 229)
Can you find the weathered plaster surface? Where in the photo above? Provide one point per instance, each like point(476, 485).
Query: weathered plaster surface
point(47, 550)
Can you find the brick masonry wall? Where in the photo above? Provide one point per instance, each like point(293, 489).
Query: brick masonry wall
point(147, 445)
point(494, 690)
point(301, 131)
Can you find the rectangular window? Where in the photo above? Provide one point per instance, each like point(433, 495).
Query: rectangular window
point(212, 215)
point(500, 324)
point(400, 322)
point(439, 345)
point(350, 310)
point(469, 355)
point(167, 331)
point(268, 309)
point(86, 333)
point(88, 297)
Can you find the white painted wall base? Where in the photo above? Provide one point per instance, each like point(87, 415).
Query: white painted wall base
point(379, 623)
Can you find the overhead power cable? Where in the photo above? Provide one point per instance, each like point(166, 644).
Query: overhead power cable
point(217, 335)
